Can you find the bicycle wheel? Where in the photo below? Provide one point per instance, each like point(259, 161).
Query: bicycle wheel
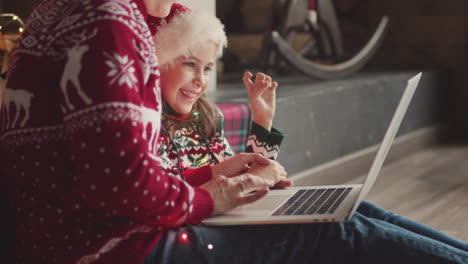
point(311, 41)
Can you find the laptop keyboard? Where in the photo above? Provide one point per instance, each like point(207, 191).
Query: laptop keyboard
point(313, 201)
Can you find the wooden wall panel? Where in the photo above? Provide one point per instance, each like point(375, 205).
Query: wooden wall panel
point(423, 34)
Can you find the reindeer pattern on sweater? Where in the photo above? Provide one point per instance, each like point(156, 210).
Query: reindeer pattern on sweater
point(78, 134)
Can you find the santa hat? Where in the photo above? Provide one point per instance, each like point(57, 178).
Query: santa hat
point(186, 33)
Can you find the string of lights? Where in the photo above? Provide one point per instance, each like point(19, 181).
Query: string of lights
point(166, 141)
point(11, 24)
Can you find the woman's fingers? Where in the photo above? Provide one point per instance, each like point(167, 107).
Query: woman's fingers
point(229, 193)
point(250, 198)
point(247, 183)
point(283, 184)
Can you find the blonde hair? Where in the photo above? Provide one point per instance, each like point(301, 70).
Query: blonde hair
point(208, 120)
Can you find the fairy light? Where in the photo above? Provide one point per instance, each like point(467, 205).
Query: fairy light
point(196, 115)
point(8, 19)
point(184, 237)
point(210, 246)
point(167, 138)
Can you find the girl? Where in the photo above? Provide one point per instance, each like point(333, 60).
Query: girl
point(192, 133)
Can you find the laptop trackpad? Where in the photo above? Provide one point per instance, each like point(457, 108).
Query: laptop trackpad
point(269, 203)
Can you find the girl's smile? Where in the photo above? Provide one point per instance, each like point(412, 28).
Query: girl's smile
point(183, 82)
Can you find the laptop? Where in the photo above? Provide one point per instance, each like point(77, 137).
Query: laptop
point(328, 203)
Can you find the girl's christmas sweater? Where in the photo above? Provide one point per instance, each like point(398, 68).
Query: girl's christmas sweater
point(183, 147)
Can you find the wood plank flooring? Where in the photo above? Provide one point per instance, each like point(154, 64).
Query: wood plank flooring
point(429, 186)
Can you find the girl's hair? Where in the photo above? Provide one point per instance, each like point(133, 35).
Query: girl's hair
point(208, 117)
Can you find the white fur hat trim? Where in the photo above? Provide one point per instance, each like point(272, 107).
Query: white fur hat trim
point(186, 33)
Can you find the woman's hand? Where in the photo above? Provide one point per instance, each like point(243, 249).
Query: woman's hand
point(229, 193)
point(262, 96)
point(238, 164)
point(274, 172)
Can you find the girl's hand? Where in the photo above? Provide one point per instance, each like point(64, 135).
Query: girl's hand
point(262, 97)
point(274, 172)
point(238, 164)
point(229, 193)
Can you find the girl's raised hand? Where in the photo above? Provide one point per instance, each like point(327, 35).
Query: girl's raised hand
point(262, 97)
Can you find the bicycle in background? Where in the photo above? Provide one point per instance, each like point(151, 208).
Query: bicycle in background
point(306, 34)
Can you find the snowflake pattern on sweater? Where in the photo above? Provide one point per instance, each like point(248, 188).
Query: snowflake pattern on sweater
point(187, 149)
point(79, 129)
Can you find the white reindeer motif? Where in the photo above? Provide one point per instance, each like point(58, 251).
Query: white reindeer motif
point(73, 67)
point(21, 100)
point(149, 117)
point(71, 74)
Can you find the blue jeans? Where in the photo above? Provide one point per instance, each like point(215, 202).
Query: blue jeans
point(363, 239)
point(371, 210)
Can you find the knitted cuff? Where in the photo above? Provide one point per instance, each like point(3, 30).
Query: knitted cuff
point(273, 137)
point(198, 176)
point(203, 206)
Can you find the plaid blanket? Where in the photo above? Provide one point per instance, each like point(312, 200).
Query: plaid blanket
point(236, 124)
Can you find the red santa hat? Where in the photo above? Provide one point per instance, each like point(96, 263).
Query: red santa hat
point(186, 33)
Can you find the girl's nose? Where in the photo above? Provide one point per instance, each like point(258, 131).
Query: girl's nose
point(199, 80)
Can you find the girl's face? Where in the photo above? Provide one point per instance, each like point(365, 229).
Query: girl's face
point(185, 81)
point(158, 8)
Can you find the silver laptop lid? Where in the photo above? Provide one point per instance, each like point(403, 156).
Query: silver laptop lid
point(388, 139)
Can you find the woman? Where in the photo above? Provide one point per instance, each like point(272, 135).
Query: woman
point(79, 124)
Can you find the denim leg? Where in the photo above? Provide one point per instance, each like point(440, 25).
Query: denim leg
point(394, 244)
point(360, 240)
point(371, 210)
point(272, 244)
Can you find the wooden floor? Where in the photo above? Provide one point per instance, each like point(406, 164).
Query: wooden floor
point(429, 186)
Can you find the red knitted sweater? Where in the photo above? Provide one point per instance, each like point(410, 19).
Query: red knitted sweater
point(78, 135)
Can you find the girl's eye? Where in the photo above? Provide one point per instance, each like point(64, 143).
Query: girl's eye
point(208, 69)
point(189, 63)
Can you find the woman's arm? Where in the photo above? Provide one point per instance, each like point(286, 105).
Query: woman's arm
point(112, 119)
